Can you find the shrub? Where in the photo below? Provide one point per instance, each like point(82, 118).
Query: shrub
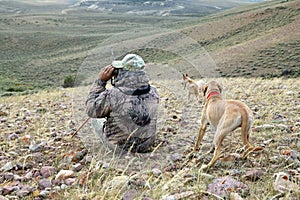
point(69, 81)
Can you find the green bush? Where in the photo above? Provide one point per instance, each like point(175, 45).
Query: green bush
point(69, 81)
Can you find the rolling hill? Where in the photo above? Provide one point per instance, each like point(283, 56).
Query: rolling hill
point(39, 50)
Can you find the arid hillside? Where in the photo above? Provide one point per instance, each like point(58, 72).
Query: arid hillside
point(258, 40)
point(254, 41)
point(253, 52)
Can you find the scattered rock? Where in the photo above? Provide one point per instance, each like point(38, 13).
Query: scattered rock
point(44, 183)
point(156, 172)
point(235, 196)
point(176, 157)
point(9, 189)
point(75, 156)
point(47, 171)
point(7, 167)
point(36, 147)
point(264, 127)
point(64, 174)
point(178, 196)
point(77, 167)
point(44, 193)
point(25, 191)
point(254, 174)
point(70, 181)
point(8, 176)
point(130, 195)
point(118, 182)
point(223, 186)
point(282, 183)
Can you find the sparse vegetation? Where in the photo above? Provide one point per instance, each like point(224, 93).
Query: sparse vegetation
point(169, 170)
point(69, 81)
point(256, 50)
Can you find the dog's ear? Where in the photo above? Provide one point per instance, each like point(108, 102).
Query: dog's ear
point(204, 89)
point(184, 76)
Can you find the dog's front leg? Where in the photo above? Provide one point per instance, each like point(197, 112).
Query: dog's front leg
point(201, 131)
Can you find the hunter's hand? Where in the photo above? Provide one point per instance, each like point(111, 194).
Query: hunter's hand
point(106, 73)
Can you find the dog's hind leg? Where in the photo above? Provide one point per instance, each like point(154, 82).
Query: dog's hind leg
point(246, 131)
point(217, 153)
point(224, 128)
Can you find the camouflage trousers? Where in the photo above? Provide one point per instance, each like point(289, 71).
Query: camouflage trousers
point(132, 144)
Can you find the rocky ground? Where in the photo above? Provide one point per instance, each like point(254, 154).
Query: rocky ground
point(40, 160)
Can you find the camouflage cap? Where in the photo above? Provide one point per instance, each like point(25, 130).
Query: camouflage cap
point(130, 62)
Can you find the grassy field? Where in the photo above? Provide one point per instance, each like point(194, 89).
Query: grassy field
point(39, 51)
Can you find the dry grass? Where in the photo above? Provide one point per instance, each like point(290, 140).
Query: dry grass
point(40, 115)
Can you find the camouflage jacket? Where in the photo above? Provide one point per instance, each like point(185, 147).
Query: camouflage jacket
point(130, 107)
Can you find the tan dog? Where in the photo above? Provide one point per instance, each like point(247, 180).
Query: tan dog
point(224, 116)
point(193, 87)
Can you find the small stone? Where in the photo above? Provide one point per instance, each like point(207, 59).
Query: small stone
point(235, 196)
point(253, 175)
point(70, 181)
point(37, 147)
point(224, 185)
point(56, 182)
point(9, 189)
point(88, 158)
point(28, 176)
point(47, 171)
point(118, 182)
point(78, 156)
point(175, 157)
point(176, 196)
point(77, 167)
point(44, 193)
point(7, 167)
point(295, 155)
point(64, 174)
point(8, 176)
point(63, 186)
point(156, 172)
point(56, 188)
point(44, 183)
point(25, 191)
point(130, 195)
point(18, 178)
